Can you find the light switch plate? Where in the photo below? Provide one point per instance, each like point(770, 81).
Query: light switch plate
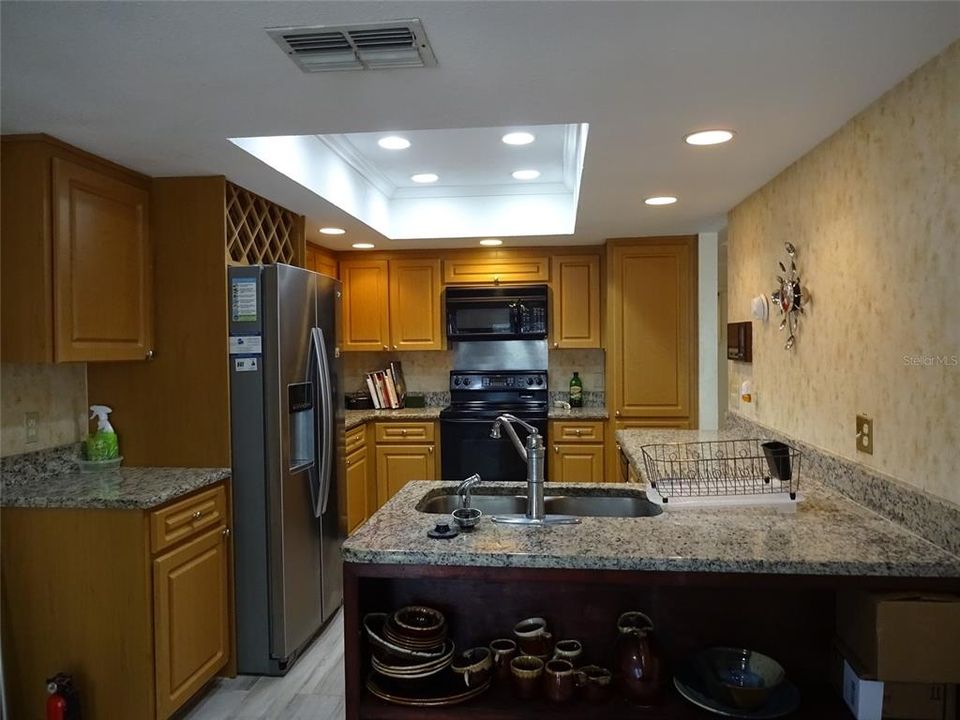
point(865, 434)
point(31, 425)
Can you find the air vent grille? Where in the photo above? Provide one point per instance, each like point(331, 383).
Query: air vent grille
point(366, 46)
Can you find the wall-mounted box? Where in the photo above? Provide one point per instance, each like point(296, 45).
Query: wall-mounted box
point(740, 341)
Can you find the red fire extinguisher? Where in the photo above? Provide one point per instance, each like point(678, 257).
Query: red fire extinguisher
point(64, 701)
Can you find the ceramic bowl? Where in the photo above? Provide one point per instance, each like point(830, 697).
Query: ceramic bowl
point(747, 677)
point(417, 621)
point(373, 624)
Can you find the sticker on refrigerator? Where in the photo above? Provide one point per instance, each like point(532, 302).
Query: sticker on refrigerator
point(243, 299)
point(246, 345)
point(245, 364)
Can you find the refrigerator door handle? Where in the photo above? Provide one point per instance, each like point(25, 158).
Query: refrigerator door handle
point(325, 438)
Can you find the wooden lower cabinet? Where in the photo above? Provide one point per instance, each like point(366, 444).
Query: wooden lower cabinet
point(576, 463)
point(399, 464)
point(576, 450)
point(356, 489)
point(141, 622)
point(191, 627)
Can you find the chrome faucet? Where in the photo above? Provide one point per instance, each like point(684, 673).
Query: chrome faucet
point(533, 453)
point(464, 488)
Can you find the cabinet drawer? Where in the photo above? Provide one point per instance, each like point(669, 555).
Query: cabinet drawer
point(187, 517)
point(356, 439)
point(391, 432)
point(574, 431)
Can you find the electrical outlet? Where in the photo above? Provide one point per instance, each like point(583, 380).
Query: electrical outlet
point(865, 434)
point(31, 424)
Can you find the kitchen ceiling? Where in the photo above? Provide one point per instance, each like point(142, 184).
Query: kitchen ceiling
point(160, 87)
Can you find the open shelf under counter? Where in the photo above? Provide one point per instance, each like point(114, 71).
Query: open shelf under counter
point(818, 702)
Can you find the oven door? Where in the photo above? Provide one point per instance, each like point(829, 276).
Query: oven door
point(466, 448)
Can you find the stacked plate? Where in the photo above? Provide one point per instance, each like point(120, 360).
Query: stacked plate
point(411, 643)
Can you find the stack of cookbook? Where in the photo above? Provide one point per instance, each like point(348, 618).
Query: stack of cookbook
point(387, 387)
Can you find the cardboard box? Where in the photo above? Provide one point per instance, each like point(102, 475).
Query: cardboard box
point(915, 701)
point(902, 637)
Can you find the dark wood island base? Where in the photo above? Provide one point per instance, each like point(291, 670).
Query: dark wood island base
point(789, 617)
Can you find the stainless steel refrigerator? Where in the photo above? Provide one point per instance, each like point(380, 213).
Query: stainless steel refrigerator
point(289, 501)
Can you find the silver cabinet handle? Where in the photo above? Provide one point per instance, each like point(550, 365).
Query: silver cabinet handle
point(430, 449)
point(556, 344)
point(226, 531)
point(556, 448)
point(394, 347)
point(149, 355)
point(386, 347)
point(617, 413)
point(198, 514)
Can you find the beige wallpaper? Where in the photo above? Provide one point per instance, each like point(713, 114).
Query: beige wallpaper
point(58, 393)
point(430, 371)
point(874, 212)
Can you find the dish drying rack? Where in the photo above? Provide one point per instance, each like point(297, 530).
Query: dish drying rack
point(721, 469)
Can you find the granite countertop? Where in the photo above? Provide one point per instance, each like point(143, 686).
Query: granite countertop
point(353, 418)
point(133, 488)
point(826, 534)
point(582, 413)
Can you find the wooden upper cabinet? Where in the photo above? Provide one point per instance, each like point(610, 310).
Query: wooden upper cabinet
point(103, 281)
point(366, 324)
point(651, 355)
point(415, 305)
point(576, 301)
point(318, 260)
point(496, 270)
point(77, 262)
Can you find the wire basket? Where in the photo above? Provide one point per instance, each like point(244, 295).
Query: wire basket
point(722, 467)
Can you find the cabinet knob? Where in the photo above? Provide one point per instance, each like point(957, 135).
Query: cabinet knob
point(348, 462)
point(395, 347)
point(386, 347)
point(403, 432)
point(226, 531)
point(430, 449)
point(617, 413)
point(579, 432)
point(149, 355)
point(198, 514)
point(556, 344)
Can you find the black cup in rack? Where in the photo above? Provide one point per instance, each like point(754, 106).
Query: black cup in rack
point(778, 459)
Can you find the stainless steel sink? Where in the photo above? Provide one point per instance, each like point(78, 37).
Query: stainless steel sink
point(622, 506)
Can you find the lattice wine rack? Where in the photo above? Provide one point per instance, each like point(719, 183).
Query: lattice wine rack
point(259, 231)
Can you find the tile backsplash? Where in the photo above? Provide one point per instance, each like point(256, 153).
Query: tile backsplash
point(57, 393)
point(429, 372)
point(874, 212)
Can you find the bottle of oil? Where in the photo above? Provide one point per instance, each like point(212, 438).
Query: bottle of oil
point(576, 391)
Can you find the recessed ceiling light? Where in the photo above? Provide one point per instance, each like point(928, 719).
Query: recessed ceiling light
point(425, 177)
point(525, 174)
point(518, 138)
point(491, 242)
point(393, 142)
point(709, 137)
point(661, 200)
point(364, 246)
point(332, 231)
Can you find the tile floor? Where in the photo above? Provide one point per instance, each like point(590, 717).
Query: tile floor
point(312, 690)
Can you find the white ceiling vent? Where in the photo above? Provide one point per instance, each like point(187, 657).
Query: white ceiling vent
point(361, 46)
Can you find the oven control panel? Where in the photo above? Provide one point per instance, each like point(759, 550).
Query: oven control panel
point(498, 381)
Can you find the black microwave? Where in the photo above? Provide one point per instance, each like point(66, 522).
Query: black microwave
point(500, 313)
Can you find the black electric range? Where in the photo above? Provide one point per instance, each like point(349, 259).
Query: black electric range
point(476, 399)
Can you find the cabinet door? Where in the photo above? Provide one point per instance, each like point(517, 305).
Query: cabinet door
point(103, 281)
point(319, 260)
point(356, 489)
point(496, 270)
point(415, 305)
point(651, 358)
point(577, 463)
point(191, 627)
point(365, 305)
point(399, 464)
point(576, 301)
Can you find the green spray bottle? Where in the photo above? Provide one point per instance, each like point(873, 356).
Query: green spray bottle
point(103, 444)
